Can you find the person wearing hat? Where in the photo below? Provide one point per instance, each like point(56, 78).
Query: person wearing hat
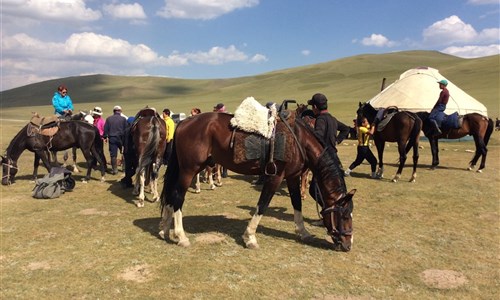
point(170, 127)
point(220, 107)
point(437, 115)
point(98, 120)
point(328, 130)
point(114, 131)
point(63, 105)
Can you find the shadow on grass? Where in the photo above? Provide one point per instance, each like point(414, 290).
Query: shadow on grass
point(233, 228)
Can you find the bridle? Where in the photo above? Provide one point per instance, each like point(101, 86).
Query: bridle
point(342, 212)
point(9, 164)
point(339, 209)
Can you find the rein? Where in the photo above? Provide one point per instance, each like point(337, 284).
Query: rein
point(302, 153)
point(9, 166)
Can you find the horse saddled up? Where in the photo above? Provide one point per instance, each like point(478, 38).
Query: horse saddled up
point(214, 136)
point(477, 125)
point(69, 134)
point(149, 137)
point(403, 128)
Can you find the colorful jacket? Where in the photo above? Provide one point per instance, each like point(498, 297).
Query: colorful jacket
point(170, 128)
point(61, 103)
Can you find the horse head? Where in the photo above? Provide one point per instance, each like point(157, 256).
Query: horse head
point(9, 170)
point(338, 221)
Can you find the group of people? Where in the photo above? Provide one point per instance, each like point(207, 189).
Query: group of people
point(327, 128)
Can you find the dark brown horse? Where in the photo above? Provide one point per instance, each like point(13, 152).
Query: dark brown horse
point(479, 126)
point(213, 136)
point(70, 134)
point(404, 129)
point(149, 136)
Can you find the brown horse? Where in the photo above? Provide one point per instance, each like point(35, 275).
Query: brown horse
point(404, 128)
point(479, 126)
point(149, 136)
point(213, 136)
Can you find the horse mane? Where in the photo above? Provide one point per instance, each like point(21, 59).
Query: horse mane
point(14, 140)
point(328, 169)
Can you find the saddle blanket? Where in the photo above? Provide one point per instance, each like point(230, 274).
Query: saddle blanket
point(251, 116)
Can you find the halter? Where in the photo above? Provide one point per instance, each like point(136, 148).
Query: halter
point(9, 166)
point(343, 211)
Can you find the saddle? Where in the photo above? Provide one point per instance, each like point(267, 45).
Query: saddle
point(251, 116)
point(144, 113)
point(47, 126)
point(389, 112)
point(249, 146)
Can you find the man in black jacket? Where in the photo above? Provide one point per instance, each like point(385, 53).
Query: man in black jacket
point(325, 129)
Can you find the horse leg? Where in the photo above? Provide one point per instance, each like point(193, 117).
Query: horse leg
point(36, 163)
point(435, 152)
point(480, 151)
point(266, 195)
point(218, 175)
point(210, 173)
point(304, 178)
point(402, 160)
point(295, 190)
point(415, 162)
point(98, 159)
point(154, 182)
point(380, 151)
point(197, 184)
point(75, 167)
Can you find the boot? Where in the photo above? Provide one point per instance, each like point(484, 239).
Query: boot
point(436, 127)
point(114, 167)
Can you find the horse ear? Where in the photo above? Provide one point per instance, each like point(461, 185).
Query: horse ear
point(351, 193)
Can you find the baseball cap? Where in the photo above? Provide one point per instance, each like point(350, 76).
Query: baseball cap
point(317, 99)
point(117, 107)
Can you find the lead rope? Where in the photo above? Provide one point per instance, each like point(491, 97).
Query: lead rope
point(317, 195)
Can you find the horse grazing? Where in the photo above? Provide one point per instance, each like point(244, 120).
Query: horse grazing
point(404, 128)
point(81, 116)
point(477, 125)
point(214, 136)
point(149, 137)
point(69, 134)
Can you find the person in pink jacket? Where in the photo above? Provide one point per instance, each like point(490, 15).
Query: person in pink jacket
point(98, 120)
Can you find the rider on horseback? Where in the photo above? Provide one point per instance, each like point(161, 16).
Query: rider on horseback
point(437, 113)
point(62, 102)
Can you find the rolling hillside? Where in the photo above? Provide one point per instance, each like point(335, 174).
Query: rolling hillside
point(345, 82)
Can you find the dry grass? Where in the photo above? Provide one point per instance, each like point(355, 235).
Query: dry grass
point(435, 239)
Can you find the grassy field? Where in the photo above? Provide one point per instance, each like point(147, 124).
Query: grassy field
point(437, 238)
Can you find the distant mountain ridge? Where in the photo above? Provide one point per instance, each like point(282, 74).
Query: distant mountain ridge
point(344, 81)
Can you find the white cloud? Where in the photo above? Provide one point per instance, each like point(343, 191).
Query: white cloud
point(125, 11)
point(54, 10)
point(473, 51)
point(91, 53)
point(377, 40)
point(257, 58)
point(202, 9)
point(453, 30)
point(217, 55)
point(482, 2)
point(306, 52)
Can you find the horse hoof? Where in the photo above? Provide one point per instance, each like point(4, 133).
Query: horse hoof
point(394, 180)
point(197, 191)
point(212, 187)
point(184, 243)
point(479, 171)
point(218, 184)
point(139, 204)
point(84, 181)
point(252, 245)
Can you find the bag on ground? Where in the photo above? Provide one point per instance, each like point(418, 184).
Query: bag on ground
point(54, 184)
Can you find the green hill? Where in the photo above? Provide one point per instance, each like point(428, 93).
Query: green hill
point(345, 82)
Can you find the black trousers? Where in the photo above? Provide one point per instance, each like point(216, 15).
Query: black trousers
point(364, 152)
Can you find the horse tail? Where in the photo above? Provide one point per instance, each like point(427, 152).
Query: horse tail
point(151, 148)
point(171, 176)
point(415, 133)
point(99, 147)
point(489, 131)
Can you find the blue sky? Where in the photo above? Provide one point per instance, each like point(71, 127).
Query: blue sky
point(205, 39)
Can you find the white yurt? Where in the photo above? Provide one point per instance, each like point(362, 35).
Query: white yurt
point(417, 90)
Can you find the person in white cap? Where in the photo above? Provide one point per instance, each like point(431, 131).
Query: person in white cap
point(98, 120)
point(114, 130)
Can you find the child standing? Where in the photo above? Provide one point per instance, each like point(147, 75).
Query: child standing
point(364, 151)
